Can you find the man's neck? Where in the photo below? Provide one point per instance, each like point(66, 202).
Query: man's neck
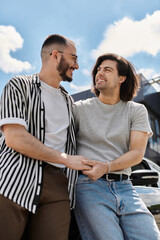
point(110, 100)
point(52, 81)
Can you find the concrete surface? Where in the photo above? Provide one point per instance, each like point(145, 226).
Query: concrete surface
point(157, 218)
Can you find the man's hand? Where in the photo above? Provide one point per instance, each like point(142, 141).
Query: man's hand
point(76, 162)
point(98, 169)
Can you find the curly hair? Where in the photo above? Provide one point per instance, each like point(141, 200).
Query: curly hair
point(130, 86)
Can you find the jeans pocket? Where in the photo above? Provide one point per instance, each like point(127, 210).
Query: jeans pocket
point(83, 179)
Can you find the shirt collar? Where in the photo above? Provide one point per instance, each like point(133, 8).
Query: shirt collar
point(36, 80)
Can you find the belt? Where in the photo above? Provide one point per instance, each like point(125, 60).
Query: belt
point(115, 177)
point(112, 176)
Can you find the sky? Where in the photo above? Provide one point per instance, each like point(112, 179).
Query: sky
point(130, 28)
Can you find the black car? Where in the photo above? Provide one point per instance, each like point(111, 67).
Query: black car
point(146, 179)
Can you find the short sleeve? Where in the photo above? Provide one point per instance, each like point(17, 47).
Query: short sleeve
point(140, 120)
point(12, 106)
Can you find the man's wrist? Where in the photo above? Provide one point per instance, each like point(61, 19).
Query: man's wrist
point(109, 166)
point(63, 158)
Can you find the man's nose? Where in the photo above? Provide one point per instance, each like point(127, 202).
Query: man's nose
point(100, 72)
point(76, 65)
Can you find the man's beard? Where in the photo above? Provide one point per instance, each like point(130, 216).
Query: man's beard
point(62, 69)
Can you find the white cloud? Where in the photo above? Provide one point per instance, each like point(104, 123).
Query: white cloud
point(79, 88)
point(127, 37)
point(148, 73)
point(11, 40)
point(86, 72)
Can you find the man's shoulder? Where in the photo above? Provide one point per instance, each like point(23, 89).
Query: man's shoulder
point(86, 102)
point(23, 78)
point(136, 108)
point(134, 105)
point(20, 80)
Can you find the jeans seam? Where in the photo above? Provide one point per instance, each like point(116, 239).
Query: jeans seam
point(117, 199)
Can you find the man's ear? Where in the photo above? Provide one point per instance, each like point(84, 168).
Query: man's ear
point(122, 79)
point(54, 54)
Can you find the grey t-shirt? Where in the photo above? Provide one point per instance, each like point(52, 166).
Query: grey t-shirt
point(103, 130)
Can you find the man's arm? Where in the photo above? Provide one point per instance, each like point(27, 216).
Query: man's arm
point(138, 142)
point(21, 141)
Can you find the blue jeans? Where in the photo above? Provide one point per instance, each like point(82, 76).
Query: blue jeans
point(112, 211)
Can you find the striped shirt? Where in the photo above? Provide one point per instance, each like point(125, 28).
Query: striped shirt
point(21, 176)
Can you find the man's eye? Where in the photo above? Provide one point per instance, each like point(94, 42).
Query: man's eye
point(75, 59)
point(107, 70)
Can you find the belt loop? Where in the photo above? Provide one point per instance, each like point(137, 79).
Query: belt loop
point(108, 179)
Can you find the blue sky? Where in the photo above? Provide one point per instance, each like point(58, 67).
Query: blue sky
point(130, 28)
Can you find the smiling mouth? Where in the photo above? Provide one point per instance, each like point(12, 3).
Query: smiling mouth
point(100, 81)
point(71, 70)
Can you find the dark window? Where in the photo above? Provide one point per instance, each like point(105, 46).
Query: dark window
point(154, 141)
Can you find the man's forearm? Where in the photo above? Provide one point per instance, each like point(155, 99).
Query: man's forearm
point(21, 141)
point(138, 142)
point(127, 160)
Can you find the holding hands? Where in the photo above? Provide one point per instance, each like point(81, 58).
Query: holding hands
point(97, 169)
point(92, 168)
point(76, 162)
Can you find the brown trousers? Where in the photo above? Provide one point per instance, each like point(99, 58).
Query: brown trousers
point(51, 222)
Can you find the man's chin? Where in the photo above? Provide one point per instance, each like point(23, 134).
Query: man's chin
point(99, 87)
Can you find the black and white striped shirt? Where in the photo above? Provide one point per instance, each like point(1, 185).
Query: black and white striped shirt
point(20, 176)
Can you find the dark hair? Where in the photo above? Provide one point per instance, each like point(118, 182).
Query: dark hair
point(130, 86)
point(55, 39)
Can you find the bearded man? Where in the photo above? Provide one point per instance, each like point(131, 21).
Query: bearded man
point(37, 125)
